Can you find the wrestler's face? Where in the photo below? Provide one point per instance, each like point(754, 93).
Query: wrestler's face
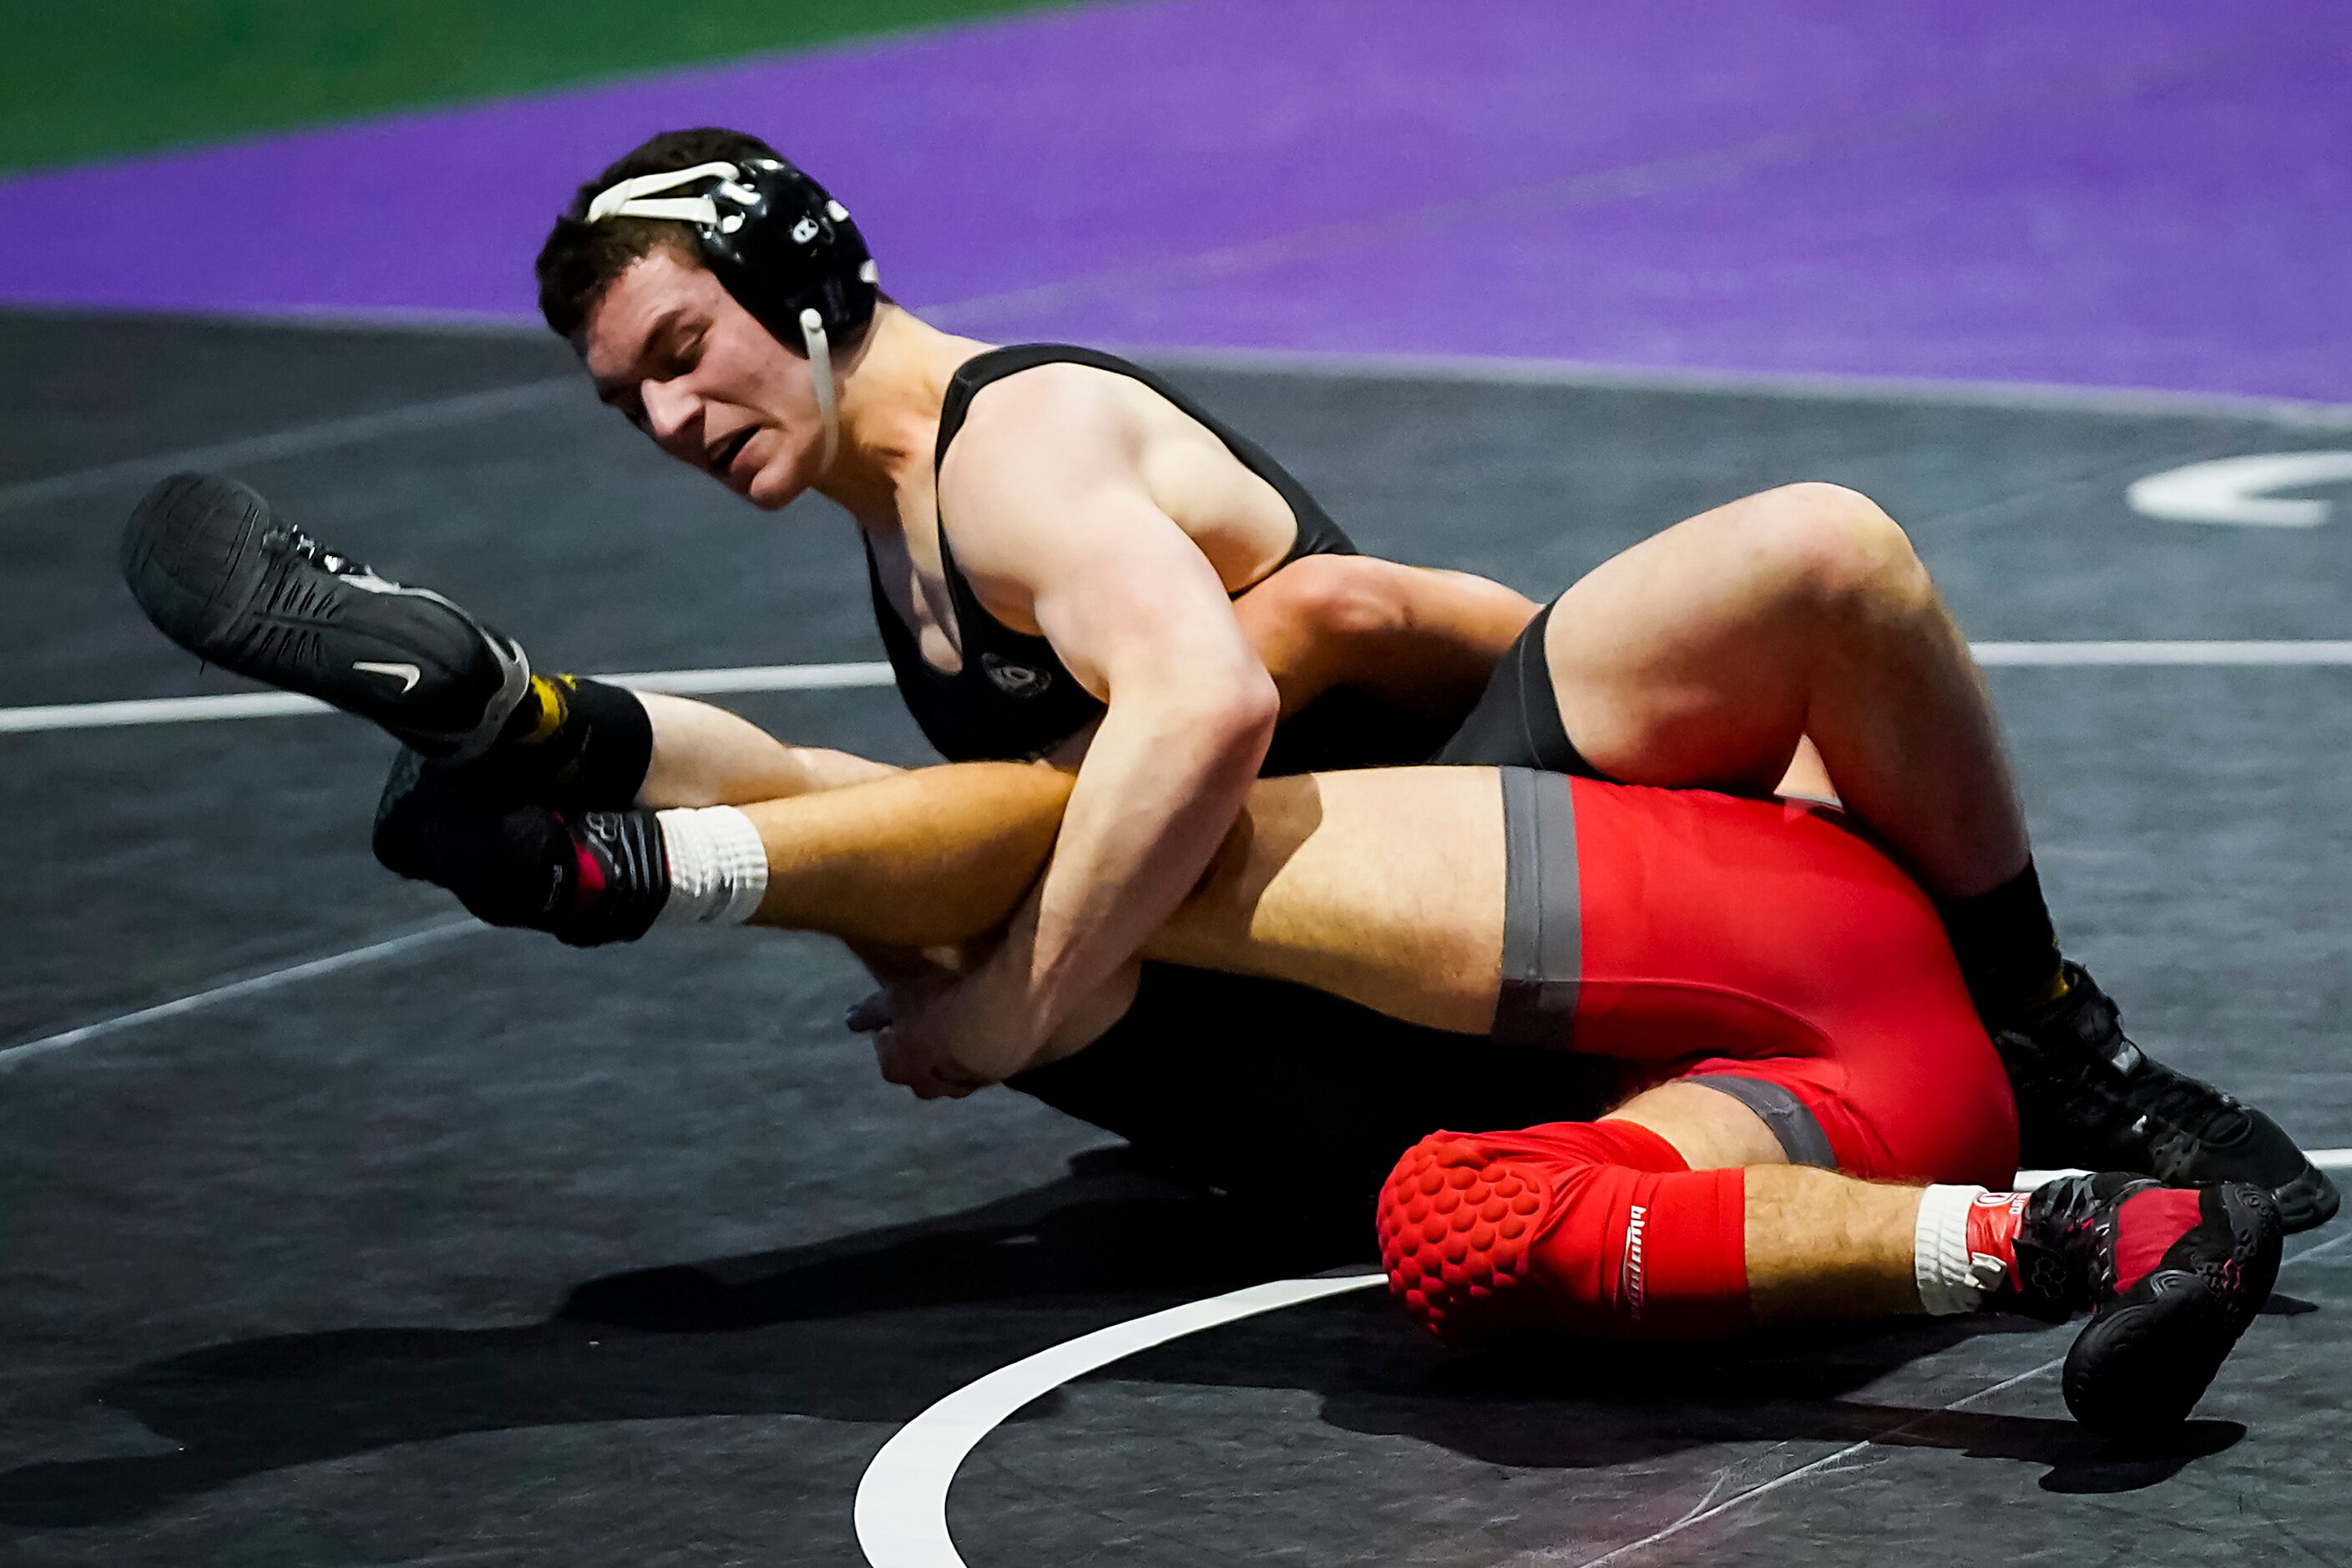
point(671, 349)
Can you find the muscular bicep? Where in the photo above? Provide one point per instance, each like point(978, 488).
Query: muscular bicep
point(1063, 534)
point(1139, 604)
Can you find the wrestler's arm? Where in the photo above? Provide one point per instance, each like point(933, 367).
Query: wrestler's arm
point(1067, 534)
point(1423, 639)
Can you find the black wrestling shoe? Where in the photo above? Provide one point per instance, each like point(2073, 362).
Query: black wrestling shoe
point(221, 575)
point(2088, 1098)
point(586, 878)
point(2176, 1276)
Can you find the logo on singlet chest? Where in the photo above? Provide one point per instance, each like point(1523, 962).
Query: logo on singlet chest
point(1015, 679)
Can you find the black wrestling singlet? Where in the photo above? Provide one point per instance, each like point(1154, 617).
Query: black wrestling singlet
point(1013, 698)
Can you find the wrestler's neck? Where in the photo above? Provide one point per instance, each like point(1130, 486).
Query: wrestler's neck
point(891, 393)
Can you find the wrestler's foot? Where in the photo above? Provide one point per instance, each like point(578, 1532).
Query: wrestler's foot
point(220, 574)
point(2172, 1276)
point(587, 877)
point(2089, 1098)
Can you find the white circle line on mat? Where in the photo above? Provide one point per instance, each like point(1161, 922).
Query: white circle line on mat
point(902, 1499)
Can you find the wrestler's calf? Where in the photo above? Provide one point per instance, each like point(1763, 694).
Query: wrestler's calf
point(1599, 1229)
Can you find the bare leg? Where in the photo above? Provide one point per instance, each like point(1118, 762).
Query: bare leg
point(922, 858)
point(1317, 883)
point(1821, 1246)
point(707, 756)
point(1704, 655)
point(1384, 886)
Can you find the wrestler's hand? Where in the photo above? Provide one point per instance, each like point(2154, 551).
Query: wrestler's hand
point(915, 1024)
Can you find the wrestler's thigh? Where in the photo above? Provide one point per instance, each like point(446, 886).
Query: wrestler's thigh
point(1711, 1130)
point(1384, 886)
point(1684, 659)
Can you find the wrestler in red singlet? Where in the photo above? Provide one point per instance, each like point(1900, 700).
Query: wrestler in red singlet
point(1764, 949)
point(1772, 942)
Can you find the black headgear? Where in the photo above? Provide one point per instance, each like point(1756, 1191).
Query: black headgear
point(783, 249)
point(771, 234)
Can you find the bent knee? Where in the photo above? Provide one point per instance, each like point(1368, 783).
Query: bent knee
point(1542, 1232)
point(1457, 1224)
point(1833, 548)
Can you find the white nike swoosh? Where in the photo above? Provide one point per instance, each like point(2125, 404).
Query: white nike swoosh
point(368, 582)
point(408, 673)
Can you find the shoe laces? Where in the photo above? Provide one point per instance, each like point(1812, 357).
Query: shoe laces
point(290, 541)
point(2174, 1099)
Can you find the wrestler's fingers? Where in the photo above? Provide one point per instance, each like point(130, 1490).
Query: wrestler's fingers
point(895, 1065)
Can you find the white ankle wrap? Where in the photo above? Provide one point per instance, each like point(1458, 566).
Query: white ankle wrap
point(718, 866)
point(1951, 1281)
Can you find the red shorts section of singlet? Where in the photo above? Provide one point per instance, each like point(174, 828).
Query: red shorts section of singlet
point(1770, 940)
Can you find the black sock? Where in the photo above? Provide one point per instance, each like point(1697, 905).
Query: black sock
point(2007, 947)
point(574, 743)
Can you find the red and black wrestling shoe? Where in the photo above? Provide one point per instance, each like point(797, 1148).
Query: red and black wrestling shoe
point(587, 877)
point(2172, 1277)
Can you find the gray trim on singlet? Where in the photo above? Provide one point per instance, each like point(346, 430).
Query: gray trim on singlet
point(1543, 934)
point(1543, 952)
point(1799, 1134)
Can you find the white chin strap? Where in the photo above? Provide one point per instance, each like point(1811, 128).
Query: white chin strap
point(828, 404)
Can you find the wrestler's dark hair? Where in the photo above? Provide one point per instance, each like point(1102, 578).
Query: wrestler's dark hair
point(580, 259)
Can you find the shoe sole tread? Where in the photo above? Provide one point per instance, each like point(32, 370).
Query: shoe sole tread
point(190, 559)
point(2142, 1364)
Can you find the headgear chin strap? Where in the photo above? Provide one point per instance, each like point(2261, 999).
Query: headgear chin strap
point(828, 403)
point(783, 249)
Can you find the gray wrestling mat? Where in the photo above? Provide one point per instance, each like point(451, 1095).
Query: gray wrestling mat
point(470, 1249)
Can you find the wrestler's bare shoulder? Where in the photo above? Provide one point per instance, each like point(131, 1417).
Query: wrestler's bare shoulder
point(1077, 427)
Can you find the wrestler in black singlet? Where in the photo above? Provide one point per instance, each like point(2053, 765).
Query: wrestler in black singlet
point(1013, 698)
point(1219, 1073)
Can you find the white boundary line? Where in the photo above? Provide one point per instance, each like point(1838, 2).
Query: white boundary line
point(252, 986)
point(285, 704)
point(2081, 655)
point(901, 1513)
point(928, 1455)
point(299, 441)
point(838, 677)
point(902, 1499)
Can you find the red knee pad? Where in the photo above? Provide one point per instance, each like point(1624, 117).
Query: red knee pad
point(1585, 1227)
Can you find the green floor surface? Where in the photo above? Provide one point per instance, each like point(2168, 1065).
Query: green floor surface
point(82, 83)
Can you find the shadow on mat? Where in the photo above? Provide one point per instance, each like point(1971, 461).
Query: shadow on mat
point(877, 1326)
point(1567, 1414)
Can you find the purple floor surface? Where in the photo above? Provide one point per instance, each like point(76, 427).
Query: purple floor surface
point(2151, 193)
